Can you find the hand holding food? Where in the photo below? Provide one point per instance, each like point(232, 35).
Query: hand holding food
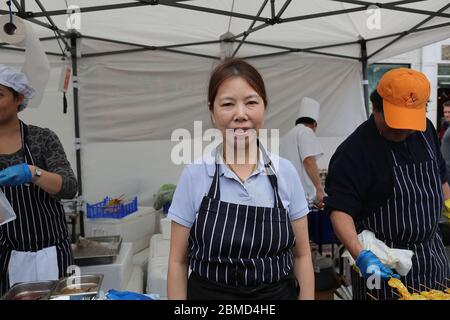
point(368, 264)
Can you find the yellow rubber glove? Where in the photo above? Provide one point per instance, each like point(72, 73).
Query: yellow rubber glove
point(447, 208)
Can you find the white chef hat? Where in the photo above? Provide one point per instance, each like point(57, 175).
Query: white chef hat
point(309, 108)
point(18, 81)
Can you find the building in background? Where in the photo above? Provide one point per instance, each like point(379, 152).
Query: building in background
point(434, 61)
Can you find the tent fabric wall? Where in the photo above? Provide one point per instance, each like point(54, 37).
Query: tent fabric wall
point(147, 97)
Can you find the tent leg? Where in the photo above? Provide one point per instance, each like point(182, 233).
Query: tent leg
point(73, 51)
point(365, 82)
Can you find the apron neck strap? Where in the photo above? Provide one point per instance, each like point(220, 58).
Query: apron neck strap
point(24, 141)
point(214, 190)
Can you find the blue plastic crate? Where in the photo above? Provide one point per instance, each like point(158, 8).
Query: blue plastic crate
point(101, 210)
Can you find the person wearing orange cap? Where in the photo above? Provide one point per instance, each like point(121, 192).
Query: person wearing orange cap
point(389, 177)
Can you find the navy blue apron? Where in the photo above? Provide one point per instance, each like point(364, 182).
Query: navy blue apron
point(241, 252)
point(40, 222)
point(409, 220)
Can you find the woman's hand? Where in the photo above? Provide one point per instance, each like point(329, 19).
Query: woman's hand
point(15, 175)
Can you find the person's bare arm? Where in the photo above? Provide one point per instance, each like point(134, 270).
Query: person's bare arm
point(50, 182)
point(303, 268)
point(446, 190)
point(177, 274)
point(345, 230)
point(313, 172)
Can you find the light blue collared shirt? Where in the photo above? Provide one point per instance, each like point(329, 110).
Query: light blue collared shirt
point(196, 180)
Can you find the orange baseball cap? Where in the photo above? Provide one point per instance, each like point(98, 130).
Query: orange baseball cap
point(405, 94)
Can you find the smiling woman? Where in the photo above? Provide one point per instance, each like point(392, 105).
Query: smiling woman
point(238, 221)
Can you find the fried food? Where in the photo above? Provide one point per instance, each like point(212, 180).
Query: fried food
point(397, 284)
point(423, 295)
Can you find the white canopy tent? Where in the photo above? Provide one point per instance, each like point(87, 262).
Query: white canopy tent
point(143, 68)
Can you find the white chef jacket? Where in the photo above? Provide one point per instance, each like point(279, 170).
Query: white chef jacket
point(298, 144)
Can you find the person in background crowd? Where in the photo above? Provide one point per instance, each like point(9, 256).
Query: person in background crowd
point(301, 147)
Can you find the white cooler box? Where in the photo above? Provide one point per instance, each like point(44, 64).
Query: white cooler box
point(157, 276)
point(136, 228)
point(115, 275)
point(158, 247)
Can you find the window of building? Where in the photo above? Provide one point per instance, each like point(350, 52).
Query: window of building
point(376, 70)
point(445, 52)
point(443, 95)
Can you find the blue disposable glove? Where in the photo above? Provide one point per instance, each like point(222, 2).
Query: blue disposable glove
point(15, 175)
point(369, 264)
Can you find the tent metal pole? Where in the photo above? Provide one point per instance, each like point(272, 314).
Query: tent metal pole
point(18, 6)
point(261, 26)
point(108, 53)
point(410, 30)
point(365, 81)
point(398, 3)
point(274, 20)
point(283, 8)
point(323, 14)
point(151, 47)
point(3, 44)
point(437, 26)
point(169, 3)
point(272, 8)
point(54, 27)
point(93, 8)
point(298, 51)
point(391, 6)
point(73, 52)
point(211, 10)
point(272, 3)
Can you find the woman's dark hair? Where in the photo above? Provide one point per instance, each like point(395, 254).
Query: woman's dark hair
point(14, 92)
point(305, 120)
point(446, 104)
point(235, 68)
point(377, 101)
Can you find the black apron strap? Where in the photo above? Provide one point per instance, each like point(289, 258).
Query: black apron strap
point(214, 190)
point(270, 170)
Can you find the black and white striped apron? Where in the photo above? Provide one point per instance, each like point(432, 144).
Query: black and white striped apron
point(241, 252)
point(409, 220)
point(40, 222)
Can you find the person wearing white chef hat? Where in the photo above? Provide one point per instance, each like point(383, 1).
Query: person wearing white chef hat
point(301, 147)
point(34, 176)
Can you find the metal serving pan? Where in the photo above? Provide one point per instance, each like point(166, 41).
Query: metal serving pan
point(38, 290)
point(96, 250)
point(83, 287)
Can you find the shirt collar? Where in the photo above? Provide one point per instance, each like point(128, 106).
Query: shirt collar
point(223, 168)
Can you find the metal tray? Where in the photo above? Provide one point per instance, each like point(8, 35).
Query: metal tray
point(101, 250)
point(83, 287)
point(38, 290)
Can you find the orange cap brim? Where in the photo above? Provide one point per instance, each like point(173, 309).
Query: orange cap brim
point(405, 118)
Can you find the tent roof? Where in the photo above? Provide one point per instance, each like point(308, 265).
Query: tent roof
point(260, 27)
